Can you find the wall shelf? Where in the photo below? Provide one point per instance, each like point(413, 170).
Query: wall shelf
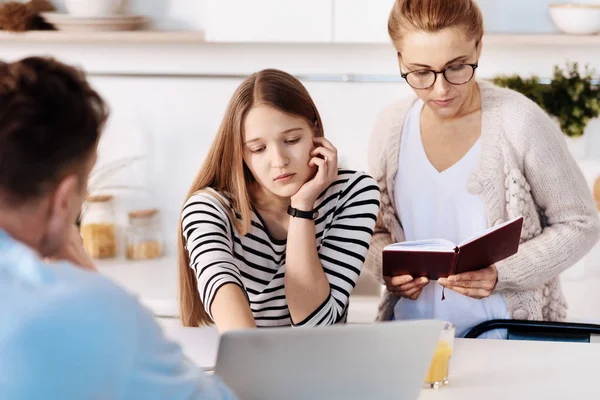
point(541, 39)
point(187, 55)
point(188, 37)
point(125, 37)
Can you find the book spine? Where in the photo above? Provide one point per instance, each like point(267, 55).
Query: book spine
point(452, 268)
point(455, 260)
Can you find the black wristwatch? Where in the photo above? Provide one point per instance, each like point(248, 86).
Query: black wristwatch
point(294, 212)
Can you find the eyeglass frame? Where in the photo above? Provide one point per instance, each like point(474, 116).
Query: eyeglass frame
point(436, 73)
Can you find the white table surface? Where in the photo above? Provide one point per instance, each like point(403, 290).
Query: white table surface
point(499, 369)
point(199, 344)
point(479, 369)
point(154, 282)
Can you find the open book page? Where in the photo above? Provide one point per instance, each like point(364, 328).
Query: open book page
point(440, 245)
point(487, 231)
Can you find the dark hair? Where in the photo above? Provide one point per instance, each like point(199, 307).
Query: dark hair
point(50, 122)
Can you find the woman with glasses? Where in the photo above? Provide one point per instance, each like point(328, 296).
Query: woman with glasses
point(463, 155)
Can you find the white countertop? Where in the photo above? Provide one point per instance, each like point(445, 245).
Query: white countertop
point(155, 283)
point(480, 369)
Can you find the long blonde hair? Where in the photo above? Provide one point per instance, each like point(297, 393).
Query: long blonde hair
point(225, 171)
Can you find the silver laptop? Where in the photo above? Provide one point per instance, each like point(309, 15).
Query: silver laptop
point(371, 361)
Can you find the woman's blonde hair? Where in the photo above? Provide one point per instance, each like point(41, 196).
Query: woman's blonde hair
point(225, 171)
point(435, 15)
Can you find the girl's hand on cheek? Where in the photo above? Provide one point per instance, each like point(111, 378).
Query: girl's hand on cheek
point(325, 159)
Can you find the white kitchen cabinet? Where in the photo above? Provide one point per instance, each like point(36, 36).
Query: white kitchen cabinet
point(361, 21)
point(279, 21)
point(518, 16)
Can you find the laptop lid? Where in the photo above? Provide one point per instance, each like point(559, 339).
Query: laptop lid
point(370, 361)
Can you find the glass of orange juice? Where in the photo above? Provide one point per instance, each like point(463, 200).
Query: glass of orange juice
point(437, 377)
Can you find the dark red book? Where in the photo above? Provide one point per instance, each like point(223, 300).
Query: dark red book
point(437, 258)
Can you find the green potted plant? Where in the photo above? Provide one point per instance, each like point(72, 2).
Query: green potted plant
point(570, 97)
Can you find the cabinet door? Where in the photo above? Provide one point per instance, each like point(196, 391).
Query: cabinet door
point(306, 21)
point(361, 21)
point(533, 16)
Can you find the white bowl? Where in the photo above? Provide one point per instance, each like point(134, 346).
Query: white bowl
point(578, 19)
point(96, 8)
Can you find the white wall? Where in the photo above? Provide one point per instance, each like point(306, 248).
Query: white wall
point(172, 120)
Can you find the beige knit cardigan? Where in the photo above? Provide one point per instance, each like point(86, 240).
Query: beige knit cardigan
point(525, 170)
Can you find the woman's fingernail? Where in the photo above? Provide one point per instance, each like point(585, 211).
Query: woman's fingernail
point(442, 281)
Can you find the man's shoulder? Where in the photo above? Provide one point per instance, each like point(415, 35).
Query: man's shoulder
point(64, 323)
point(38, 293)
point(78, 334)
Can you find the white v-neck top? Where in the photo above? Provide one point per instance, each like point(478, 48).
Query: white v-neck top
point(435, 204)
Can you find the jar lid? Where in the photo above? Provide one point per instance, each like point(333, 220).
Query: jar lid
point(99, 198)
point(143, 213)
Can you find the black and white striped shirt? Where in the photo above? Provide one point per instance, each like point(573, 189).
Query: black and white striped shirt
point(256, 262)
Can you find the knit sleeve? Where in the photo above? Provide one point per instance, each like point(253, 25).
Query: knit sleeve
point(377, 161)
point(381, 238)
point(375, 158)
point(562, 195)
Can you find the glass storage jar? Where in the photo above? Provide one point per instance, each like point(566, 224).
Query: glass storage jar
point(98, 227)
point(143, 235)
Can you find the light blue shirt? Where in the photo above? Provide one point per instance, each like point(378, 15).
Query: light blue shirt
point(66, 333)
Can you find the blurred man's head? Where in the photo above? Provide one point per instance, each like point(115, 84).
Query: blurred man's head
point(50, 124)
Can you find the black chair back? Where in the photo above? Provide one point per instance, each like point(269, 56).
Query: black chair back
point(538, 330)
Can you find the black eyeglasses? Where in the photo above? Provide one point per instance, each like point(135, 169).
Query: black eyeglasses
point(457, 74)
